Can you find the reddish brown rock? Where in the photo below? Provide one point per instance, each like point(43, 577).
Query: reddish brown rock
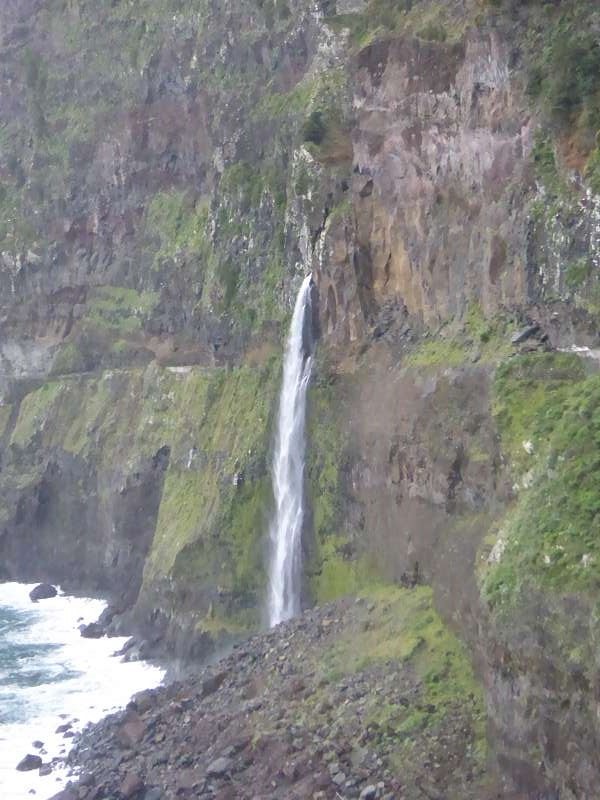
point(132, 786)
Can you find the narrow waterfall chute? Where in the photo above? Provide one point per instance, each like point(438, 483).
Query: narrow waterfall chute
point(288, 465)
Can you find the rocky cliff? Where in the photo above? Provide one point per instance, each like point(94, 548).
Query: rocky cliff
point(168, 173)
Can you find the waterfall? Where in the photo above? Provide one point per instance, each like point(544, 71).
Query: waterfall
point(288, 466)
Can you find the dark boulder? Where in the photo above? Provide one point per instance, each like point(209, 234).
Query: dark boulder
point(44, 591)
point(92, 631)
point(213, 683)
point(64, 727)
point(29, 762)
point(66, 794)
point(525, 333)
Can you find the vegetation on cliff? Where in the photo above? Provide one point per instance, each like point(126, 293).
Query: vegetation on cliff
point(547, 410)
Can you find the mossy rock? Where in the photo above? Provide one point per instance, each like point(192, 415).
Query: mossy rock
point(548, 412)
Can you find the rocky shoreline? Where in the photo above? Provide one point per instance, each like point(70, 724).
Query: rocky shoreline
point(334, 704)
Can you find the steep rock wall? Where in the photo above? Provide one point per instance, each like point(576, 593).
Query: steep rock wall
point(150, 486)
point(166, 179)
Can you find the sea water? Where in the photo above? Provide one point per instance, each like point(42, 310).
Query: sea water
point(50, 675)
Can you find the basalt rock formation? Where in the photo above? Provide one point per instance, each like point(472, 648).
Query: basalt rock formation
point(169, 173)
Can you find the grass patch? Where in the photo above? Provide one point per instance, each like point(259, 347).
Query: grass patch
point(437, 352)
point(528, 396)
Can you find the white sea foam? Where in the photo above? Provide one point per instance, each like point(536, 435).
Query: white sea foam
point(77, 679)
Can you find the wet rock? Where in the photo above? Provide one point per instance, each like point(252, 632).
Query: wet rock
point(30, 762)
point(94, 630)
point(64, 727)
point(43, 591)
point(143, 701)
point(45, 769)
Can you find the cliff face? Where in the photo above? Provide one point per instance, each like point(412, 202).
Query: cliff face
point(167, 176)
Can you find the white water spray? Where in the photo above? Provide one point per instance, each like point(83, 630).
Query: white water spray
point(288, 468)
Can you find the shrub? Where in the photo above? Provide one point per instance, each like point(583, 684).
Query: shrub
point(314, 128)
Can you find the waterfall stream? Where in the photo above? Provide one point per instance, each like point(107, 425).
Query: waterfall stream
point(288, 467)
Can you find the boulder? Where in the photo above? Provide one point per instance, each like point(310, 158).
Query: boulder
point(64, 727)
point(368, 793)
point(525, 333)
point(43, 591)
point(66, 794)
point(219, 767)
point(132, 786)
point(92, 631)
point(143, 701)
point(29, 763)
point(132, 731)
point(213, 683)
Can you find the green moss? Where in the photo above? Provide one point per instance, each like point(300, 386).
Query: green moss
point(549, 536)
point(123, 310)
point(243, 180)
point(332, 573)
point(528, 394)
point(339, 572)
point(475, 334)
point(432, 21)
point(578, 272)
point(68, 359)
point(337, 566)
point(432, 31)
point(592, 170)
point(16, 231)
point(436, 352)
point(188, 498)
point(403, 626)
point(180, 223)
point(546, 170)
point(216, 425)
point(211, 523)
point(36, 411)
point(246, 521)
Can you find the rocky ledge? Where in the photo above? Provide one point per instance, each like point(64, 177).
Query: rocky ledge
point(362, 698)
